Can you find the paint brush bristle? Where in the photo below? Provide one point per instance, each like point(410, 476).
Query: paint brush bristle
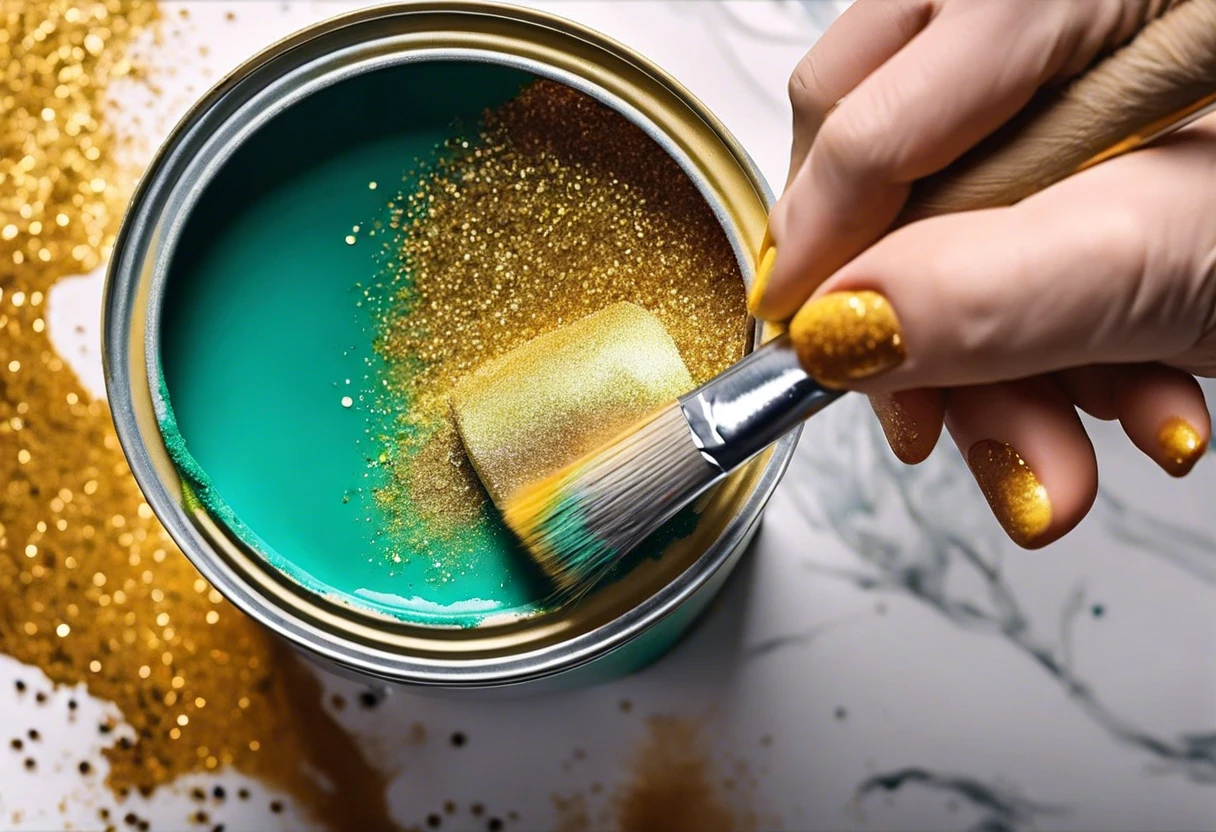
point(580, 521)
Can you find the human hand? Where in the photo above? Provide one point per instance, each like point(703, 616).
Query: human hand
point(1098, 293)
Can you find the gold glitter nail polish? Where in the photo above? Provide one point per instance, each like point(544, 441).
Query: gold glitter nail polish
point(847, 336)
point(1018, 499)
point(1181, 446)
point(764, 270)
point(901, 432)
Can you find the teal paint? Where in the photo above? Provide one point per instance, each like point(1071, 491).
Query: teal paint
point(269, 312)
point(264, 323)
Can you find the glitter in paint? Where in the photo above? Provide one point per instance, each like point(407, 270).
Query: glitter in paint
point(557, 208)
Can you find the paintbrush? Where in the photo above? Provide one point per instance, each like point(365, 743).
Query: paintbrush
point(578, 522)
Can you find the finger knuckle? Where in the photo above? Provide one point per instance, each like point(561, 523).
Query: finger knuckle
point(854, 144)
point(1205, 269)
point(1183, 240)
point(1207, 304)
point(1126, 17)
point(979, 310)
point(974, 306)
point(806, 91)
point(906, 16)
point(1120, 237)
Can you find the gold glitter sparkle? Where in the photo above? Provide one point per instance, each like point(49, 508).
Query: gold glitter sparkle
point(900, 430)
point(531, 412)
point(1181, 446)
point(558, 208)
point(1018, 499)
point(92, 590)
point(847, 336)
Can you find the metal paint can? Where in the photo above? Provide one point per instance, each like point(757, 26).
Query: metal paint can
point(593, 640)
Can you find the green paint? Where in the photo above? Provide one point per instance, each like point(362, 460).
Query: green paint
point(269, 313)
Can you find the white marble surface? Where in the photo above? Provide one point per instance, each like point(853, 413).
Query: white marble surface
point(913, 669)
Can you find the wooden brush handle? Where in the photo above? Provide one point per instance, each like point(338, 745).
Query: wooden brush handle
point(1162, 79)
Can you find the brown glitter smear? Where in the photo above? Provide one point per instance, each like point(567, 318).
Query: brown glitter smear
point(847, 336)
point(1181, 446)
point(903, 435)
point(572, 813)
point(91, 589)
point(901, 431)
point(673, 784)
point(1018, 499)
point(558, 208)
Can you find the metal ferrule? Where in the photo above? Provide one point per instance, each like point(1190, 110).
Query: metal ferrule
point(738, 414)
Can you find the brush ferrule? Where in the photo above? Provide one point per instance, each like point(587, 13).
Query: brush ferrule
point(739, 413)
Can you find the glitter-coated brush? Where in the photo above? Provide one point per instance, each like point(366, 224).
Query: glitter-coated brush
point(578, 522)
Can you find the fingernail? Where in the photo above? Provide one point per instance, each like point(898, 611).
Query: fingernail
point(847, 336)
point(1017, 498)
point(900, 430)
point(764, 268)
point(1181, 446)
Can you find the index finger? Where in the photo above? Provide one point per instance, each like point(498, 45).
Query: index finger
point(861, 40)
point(973, 67)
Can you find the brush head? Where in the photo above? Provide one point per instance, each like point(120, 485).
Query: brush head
point(579, 522)
point(556, 398)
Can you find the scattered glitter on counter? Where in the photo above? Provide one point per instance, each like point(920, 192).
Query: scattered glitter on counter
point(674, 785)
point(558, 208)
point(91, 588)
point(572, 813)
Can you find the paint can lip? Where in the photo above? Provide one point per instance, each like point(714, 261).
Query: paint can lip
point(200, 144)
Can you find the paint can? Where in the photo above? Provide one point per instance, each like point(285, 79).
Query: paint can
point(605, 635)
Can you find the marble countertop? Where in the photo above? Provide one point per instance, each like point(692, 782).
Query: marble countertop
point(883, 659)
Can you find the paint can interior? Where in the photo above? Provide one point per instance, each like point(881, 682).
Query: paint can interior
point(339, 233)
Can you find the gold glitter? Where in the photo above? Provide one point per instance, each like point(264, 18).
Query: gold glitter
point(673, 785)
point(1181, 446)
point(1018, 499)
point(901, 431)
point(548, 402)
point(847, 336)
point(443, 486)
point(71, 511)
point(557, 209)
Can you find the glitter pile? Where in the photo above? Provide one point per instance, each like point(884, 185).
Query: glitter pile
point(672, 786)
point(91, 589)
point(558, 208)
point(673, 782)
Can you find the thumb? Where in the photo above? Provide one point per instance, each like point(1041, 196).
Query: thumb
point(1110, 266)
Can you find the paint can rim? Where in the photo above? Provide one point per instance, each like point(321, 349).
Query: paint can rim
point(161, 205)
